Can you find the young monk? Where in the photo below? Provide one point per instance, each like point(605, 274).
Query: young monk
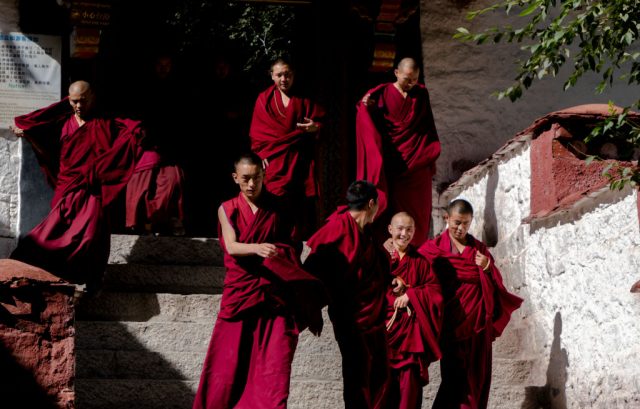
point(414, 318)
point(356, 275)
point(283, 132)
point(248, 363)
point(477, 309)
point(397, 147)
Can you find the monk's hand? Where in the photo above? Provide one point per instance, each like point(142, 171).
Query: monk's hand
point(482, 261)
point(307, 125)
point(266, 250)
point(401, 302)
point(265, 163)
point(368, 101)
point(388, 245)
point(399, 286)
point(16, 131)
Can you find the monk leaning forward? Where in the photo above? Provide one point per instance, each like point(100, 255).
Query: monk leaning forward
point(88, 159)
point(248, 364)
point(356, 274)
point(414, 318)
point(397, 146)
point(477, 309)
point(283, 132)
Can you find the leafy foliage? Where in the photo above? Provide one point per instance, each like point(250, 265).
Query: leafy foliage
point(262, 32)
point(598, 36)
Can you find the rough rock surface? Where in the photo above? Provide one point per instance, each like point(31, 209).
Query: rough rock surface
point(36, 338)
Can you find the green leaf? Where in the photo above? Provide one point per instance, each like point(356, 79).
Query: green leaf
point(533, 7)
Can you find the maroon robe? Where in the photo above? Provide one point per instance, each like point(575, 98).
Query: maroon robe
point(477, 309)
point(356, 274)
point(248, 364)
point(154, 194)
point(397, 146)
point(289, 151)
point(413, 338)
point(88, 167)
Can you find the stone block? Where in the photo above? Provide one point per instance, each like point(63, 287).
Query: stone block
point(135, 393)
point(134, 336)
point(315, 395)
point(140, 364)
point(190, 279)
point(36, 337)
point(164, 250)
point(149, 307)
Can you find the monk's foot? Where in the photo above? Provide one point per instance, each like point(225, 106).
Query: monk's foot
point(177, 228)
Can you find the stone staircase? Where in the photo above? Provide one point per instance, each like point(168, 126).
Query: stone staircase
point(141, 342)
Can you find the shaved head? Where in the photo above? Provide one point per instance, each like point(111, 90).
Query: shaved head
point(402, 217)
point(460, 206)
point(406, 74)
point(79, 87)
point(81, 98)
point(402, 228)
point(409, 64)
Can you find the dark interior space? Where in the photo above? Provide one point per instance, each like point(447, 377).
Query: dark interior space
point(209, 104)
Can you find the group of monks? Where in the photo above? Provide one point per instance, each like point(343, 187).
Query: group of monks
point(397, 300)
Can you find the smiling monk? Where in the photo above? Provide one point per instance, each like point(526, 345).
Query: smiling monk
point(414, 318)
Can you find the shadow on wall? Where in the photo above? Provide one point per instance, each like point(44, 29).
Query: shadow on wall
point(553, 394)
point(490, 228)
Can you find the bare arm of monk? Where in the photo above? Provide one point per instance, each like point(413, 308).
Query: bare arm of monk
point(235, 248)
point(17, 131)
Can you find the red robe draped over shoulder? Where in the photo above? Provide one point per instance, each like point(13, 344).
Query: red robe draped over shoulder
point(88, 166)
point(397, 146)
point(413, 339)
point(477, 309)
point(265, 303)
point(356, 274)
point(290, 151)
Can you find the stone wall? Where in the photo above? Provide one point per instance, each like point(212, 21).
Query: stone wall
point(10, 155)
point(579, 322)
point(461, 77)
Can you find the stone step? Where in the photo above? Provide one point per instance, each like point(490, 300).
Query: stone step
point(131, 249)
point(151, 336)
point(154, 278)
point(141, 364)
point(134, 393)
point(149, 307)
point(177, 394)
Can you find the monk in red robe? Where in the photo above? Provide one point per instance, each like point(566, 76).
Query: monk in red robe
point(356, 275)
point(248, 364)
point(397, 146)
point(414, 318)
point(477, 309)
point(283, 132)
point(88, 159)
point(154, 198)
